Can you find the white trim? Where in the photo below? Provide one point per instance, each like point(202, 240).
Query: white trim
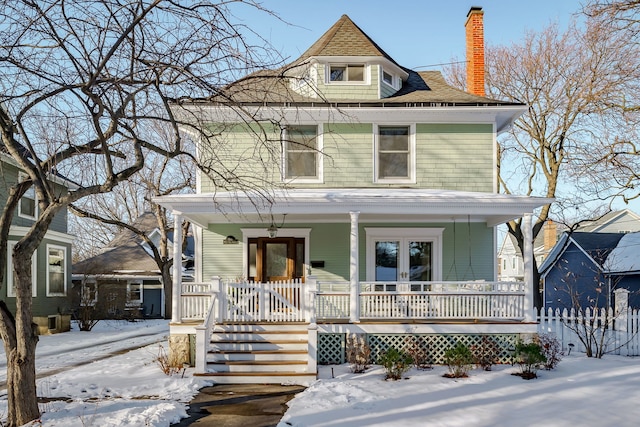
point(138, 282)
point(319, 179)
point(50, 235)
point(64, 270)
point(411, 179)
point(427, 234)
point(366, 77)
point(21, 177)
point(251, 233)
point(9, 272)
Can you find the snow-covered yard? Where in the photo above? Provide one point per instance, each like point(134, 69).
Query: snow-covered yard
point(130, 390)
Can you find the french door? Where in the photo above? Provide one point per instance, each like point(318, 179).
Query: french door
point(403, 260)
point(404, 254)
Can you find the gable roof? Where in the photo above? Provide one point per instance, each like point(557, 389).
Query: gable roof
point(596, 246)
point(344, 38)
point(608, 219)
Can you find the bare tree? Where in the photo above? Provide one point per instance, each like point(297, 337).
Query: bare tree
point(80, 82)
point(570, 81)
point(122, 207)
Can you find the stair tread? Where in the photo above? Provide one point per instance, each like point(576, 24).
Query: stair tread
point(258, 362)
point(257, 374)
point(257, 351)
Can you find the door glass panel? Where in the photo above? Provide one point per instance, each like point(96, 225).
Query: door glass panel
point(387, 260)
point(253, 253)
point(420, 261)
point(276, 259)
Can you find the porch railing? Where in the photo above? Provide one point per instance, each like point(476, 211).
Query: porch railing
point(424, 300)
point(293, 301)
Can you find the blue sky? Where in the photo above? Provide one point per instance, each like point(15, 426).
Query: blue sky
point(416, 33)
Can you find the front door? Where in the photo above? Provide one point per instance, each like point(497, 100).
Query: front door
point(403, 260)
point(276, 259)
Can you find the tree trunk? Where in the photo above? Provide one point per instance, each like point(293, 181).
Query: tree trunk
point(21, 363)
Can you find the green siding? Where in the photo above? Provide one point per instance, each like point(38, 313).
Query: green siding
point(9, 178)
point(42, 304)
point(467, 250)
point(448, 156)
point(349, 91)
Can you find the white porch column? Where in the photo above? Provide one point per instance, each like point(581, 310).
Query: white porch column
point(527, 256)
point(176, 315)
point(354, 278)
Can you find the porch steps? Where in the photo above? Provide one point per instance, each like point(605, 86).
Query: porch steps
point(274, 353)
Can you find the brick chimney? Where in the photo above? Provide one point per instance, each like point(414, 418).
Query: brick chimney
point(474, 30)
point(550, 231)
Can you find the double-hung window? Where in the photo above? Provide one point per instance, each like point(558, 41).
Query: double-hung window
point(11, 278)
point(27, 205)
point(347, 73)
point(134, 293)
point(302, 160)
point(56, 270)
point(395, 154)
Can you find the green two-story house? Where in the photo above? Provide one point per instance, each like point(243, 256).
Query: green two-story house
point(51, 263)
point(371, 209)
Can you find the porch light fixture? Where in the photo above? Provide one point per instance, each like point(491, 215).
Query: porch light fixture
point(230, 240)
point(273, 228)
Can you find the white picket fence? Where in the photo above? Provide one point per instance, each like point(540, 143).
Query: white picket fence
point(620, 330)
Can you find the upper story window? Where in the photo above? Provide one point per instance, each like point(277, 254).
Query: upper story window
point(347, 73)
point(56, 270)
point(395, 154)
point(302, 147)
point(27, 205)
point(391, 79)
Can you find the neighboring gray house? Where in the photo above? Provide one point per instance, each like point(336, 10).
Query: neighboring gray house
point(623, 221)
point(51, 264)
point(124, 278)
point(585, 268)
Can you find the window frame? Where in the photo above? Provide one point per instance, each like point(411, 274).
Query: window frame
point(391, 84)
point(34, 271)
point(84, 288)
point(411, 155)
point(365, 74)
point(65, 259)
point(131, 302)
point(319, 158)
point(30, 194)
point(426, 234)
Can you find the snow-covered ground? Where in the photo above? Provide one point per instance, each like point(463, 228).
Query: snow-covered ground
point(129, 389)
point(98, 386)
point(579, 392)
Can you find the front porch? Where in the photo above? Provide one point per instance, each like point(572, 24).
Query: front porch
point(241, 325)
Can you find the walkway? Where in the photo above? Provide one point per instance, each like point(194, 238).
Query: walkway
point(239, 405)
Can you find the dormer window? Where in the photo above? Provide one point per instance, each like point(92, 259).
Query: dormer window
point(347, 73)
point(387, 78)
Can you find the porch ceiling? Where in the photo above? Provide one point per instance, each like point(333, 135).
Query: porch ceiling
point(334, 205)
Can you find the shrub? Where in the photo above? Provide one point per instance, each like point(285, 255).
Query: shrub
point(485, 354)
point(459, 360)
point(551, 349)
point(529, 356)
point(396, 363)
point(358, 353)
point(418, 348)
point(169, 365)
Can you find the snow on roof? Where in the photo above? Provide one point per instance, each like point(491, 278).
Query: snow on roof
point(625, 257)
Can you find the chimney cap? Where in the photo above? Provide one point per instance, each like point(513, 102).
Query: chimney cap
point(474, 9)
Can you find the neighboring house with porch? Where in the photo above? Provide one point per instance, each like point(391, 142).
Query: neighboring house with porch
point(383, 221)
point(123, 280)
point(585, 269)
point(51, 263)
